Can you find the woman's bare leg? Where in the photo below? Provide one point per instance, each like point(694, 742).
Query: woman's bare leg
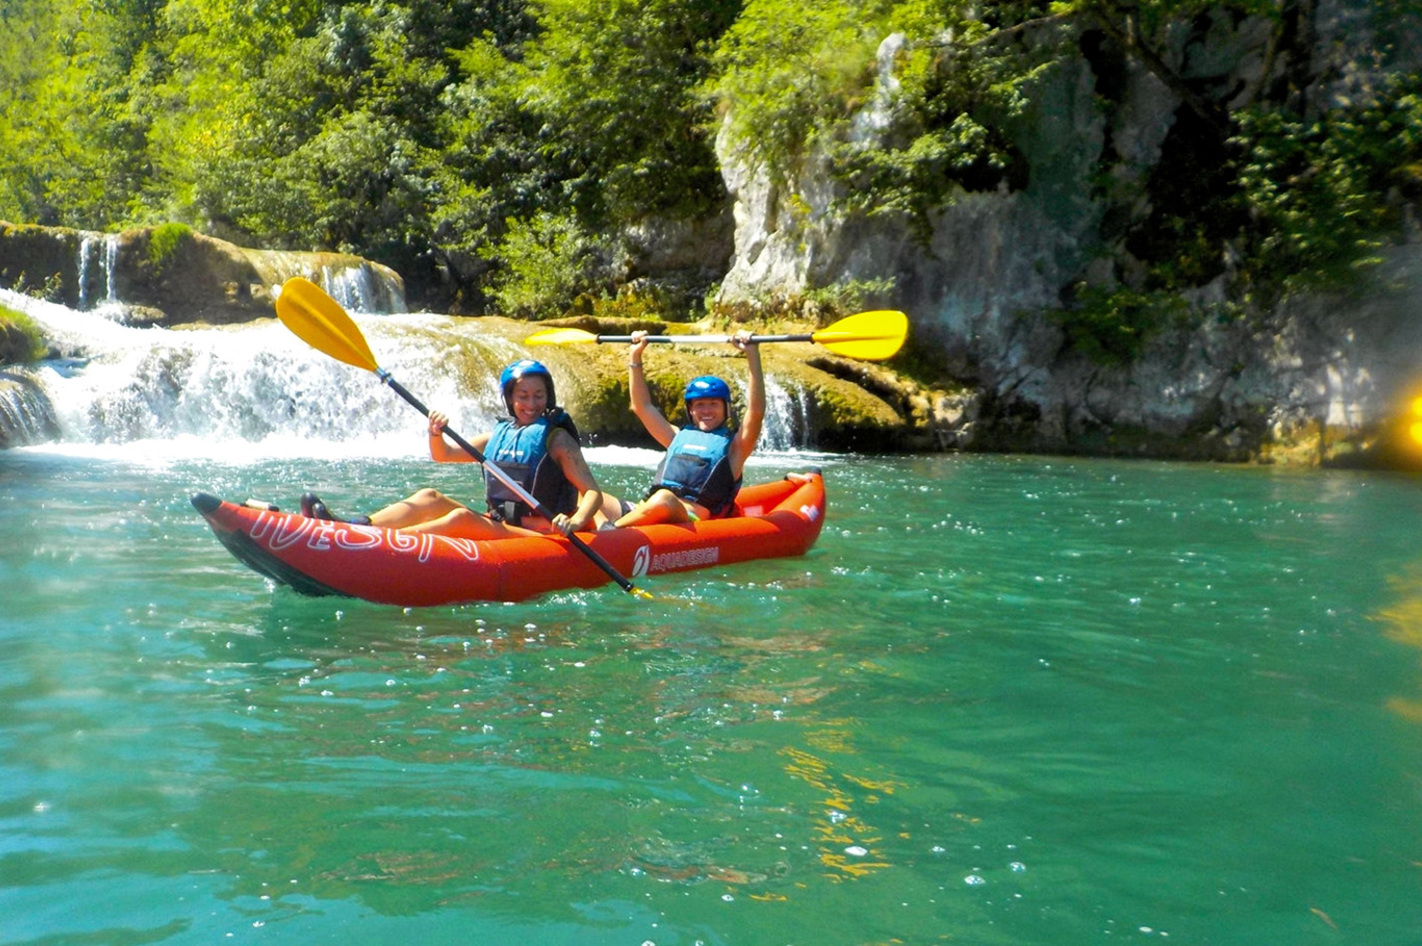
point(661, 506)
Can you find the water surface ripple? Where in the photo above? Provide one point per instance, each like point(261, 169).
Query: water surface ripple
point(1003, 701)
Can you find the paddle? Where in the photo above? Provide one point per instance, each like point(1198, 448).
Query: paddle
point(319, 320)
point(872, 336)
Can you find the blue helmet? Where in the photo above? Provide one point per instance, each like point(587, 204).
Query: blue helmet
point(708, 385)
point(522, 369)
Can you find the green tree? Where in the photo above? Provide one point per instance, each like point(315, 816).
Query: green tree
point(337, 140)
point(596, 119)
point(795, 80)
point(26, 60)
point(76, 140)
point(790, 74)
point(618, 79)
point(547, 260)
point(1324, 195)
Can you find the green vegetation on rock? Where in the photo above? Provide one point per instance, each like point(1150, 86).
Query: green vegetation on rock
point(165, 242)
point(21, 341)
point(497, 153)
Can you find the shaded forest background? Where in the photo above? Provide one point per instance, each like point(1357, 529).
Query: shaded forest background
point(502, 154)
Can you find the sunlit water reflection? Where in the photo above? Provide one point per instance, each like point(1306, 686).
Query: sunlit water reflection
point(1003, 700)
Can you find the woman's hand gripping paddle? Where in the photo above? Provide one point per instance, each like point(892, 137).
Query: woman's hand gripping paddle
point(872, 336)
point(320, 322)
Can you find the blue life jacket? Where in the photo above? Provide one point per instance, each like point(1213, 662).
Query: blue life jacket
point(522, 453)
point(697, 467)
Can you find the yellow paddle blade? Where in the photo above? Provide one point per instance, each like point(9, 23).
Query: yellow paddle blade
point(319, 321)
point(871, 336)
point(560, 336)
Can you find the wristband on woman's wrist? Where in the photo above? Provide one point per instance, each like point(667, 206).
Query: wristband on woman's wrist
point(634, 364)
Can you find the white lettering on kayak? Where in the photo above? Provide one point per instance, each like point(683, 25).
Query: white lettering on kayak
point(468, 548)
point(278, 532)
point(684, 558)
point(356, 538)
point(403, 541)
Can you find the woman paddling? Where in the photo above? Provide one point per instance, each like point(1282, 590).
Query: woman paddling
point(701, 472)
point(537, 447)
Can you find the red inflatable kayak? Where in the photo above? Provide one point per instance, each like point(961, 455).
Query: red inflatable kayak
point(389, 566)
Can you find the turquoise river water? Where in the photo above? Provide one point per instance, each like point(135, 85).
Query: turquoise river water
point(1002, 701)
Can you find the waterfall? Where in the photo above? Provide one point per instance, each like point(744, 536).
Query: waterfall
point(85, 243)
point(256, 389)
point(111, 245)
point(786, 417)
point(25, 414)
point(233, 386)
point(361, 289)
point(358, 285)
point(108, 257)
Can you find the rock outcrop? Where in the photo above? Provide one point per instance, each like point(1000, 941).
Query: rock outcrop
point(1317, 379)
point(26, 415)
point(170, 275)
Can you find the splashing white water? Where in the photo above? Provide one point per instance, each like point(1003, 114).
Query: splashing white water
point(256, 384)
point(254, 388)
point(89, 248)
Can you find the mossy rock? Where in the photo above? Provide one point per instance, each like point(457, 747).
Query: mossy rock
point(849, 406)
point(21, 341)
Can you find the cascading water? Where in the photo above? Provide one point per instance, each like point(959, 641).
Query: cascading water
point(25, 413)
point(359, 288)
point(786, 417)
point(107, 257)
point(257, 383)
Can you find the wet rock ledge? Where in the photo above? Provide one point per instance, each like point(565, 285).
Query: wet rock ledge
point(171, 277)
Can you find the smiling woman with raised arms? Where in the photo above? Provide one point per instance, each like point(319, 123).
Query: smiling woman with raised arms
point(701, 472)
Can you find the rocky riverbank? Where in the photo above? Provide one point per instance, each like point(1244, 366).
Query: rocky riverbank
point(847, 404)
point(1327, 382)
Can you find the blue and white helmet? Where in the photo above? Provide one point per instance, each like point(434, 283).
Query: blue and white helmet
point(708, 385)
point(522, 369)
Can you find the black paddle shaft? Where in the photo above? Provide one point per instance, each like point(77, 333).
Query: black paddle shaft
point(508, 481)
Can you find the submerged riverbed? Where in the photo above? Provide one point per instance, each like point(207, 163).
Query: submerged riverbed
point(1003, 700)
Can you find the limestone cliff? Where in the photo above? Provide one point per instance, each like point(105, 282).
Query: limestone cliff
point(1314, 378)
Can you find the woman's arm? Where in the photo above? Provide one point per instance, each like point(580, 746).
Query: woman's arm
point(441, 450)
point(569, 457)
point(657, 425)
point(748, 433)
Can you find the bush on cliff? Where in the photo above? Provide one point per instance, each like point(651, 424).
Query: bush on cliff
point(20, 339)
point(164, 244)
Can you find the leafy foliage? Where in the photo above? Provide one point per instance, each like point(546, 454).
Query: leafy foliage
point(850, 296)
point(165, 242)
point(546, 260)
point(795, 73)
point(1111, 326)
point(494, 150)
point(1325, 194)
point(21, 340)
point(594, 118)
